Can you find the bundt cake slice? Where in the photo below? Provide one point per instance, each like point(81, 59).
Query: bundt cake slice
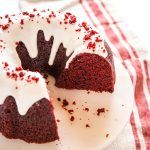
point(89, 72)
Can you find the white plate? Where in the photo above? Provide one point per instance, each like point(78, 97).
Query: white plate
point(73, 134)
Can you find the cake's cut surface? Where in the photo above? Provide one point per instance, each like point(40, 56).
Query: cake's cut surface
point(38, 125)
point(56, 44)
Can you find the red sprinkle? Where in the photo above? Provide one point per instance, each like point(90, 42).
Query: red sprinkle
point(8, 74)
point(22, 22)
point(21, 74)
point(92, 32)
point(98, 39)
point(32, 15)
point(91, 45)
point(87, 37)
point(35, 79)
point(5, 65)
point(84, 24)
point(4, 27)
point(18, 68)
point(9, 20)
point(72, 19)
point(69, 18)
point(25, 13)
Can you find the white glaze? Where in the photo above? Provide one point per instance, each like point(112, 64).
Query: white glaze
point(29, 93)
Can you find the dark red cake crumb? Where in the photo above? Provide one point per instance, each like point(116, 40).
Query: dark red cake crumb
point(58, 120)
point(48, 20)
point(98, 39)
point(25, 13)
point(107, 135)
point(16, 43)
point(34, 9)
point(78, 30)
point(59, 99)
point(87, 126)
point(104, 50)
point(88, 92)
point(70, 111)
point(65, 103)
point(5, 64)
point(74, 103)
point(100, 110)
point(86, 109)
point(72, 118)
point(6, 16)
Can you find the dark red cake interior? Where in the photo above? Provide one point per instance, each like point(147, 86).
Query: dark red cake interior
point(37, 126)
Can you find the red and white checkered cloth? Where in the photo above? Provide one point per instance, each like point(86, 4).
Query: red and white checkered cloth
point(136, 134)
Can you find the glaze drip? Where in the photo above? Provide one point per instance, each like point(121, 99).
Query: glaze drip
point(40, 62)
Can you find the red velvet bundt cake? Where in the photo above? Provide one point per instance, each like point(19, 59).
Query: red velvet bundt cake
point(53, 43)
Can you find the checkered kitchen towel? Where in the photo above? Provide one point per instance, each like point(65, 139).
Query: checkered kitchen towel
point(100, 13)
